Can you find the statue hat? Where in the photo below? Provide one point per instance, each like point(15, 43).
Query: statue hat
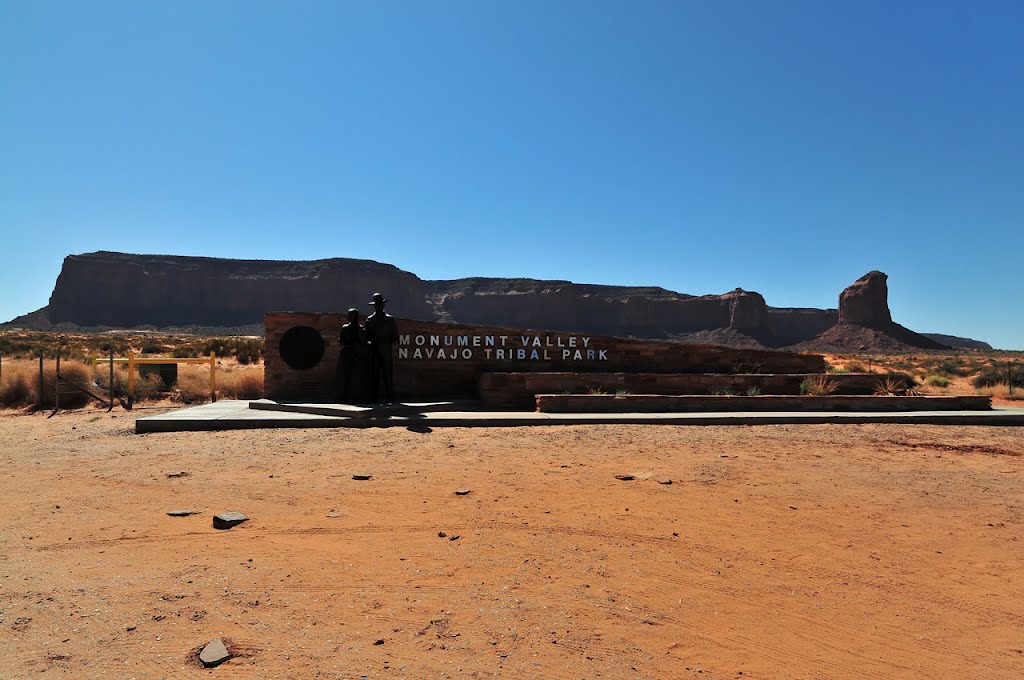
point(377, 297)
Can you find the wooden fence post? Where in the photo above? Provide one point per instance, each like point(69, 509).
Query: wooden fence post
point(39, 397)
point(56, 386)
point(111, 383)
point(213, 377)
point(131, 379)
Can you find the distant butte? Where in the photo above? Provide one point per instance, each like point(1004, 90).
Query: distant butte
point(107, 290)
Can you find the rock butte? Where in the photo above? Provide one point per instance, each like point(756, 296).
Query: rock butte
point(119, 290)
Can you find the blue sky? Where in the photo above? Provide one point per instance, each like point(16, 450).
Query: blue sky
point(783, 147)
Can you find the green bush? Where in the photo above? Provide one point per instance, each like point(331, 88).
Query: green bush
point(937, 381)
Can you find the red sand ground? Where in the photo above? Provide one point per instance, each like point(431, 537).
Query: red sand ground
point(777, 552)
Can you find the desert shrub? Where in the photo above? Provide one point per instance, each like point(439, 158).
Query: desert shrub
point(245, 350)
point(193, 387)
point(818, 386)
point(622, 393)
point(14, 389)
point(951, 367)
point(242, 384)
point(723, 391)
point(840, 371)
point(69, 396)
point(855, 368)
point(596, 390)
point(753, 391)
point(895, 385)
point(937, 381)
point(102, 380)
point(1002, 391)
point(149, 387)
point(994, 375)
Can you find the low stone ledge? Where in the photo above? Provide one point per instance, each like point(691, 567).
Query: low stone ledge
point(516, 390)
point(662, 403)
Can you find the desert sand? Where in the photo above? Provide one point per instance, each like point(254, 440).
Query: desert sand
point(776, 552)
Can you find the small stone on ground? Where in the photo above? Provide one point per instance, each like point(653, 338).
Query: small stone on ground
point(625, 478)
point(183, 513)
point(664, 480)
point(214, 653)
point(463, 492)
point(226, 520)
point(361, 478)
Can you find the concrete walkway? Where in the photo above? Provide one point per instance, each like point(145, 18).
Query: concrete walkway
point(237, 415)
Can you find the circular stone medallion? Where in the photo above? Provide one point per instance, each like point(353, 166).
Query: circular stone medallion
point(301, 347)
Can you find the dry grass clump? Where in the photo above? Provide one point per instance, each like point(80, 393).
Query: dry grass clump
point(238, 382)
point(19, 384)
point(895, 385)
point(1000, 375)
point(193, 386)
point(818, 386)
point(28, 344)
point(242, 384)
point(1002, 391)
point(14, 387)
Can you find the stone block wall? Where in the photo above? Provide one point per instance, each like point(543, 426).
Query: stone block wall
point(517, 390)
point(446, 360)
point(649, 403)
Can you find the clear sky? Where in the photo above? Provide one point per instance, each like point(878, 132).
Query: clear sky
point(699, 145)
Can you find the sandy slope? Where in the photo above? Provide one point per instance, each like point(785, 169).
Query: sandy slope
point(777, 552)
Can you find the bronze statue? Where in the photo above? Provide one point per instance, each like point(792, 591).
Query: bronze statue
point(382, 333)
point(352, 377)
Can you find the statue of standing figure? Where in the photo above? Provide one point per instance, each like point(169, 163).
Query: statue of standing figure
point(353, 378)
point(382, 334)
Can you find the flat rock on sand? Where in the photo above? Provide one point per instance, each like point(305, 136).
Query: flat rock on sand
point(214, 653)
point(226, 520)
point(183, 513)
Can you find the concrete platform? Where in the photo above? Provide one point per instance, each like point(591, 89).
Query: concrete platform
point(364, 411)
point(237, 415)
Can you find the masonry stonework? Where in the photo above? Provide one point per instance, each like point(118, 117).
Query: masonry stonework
point(446, 360)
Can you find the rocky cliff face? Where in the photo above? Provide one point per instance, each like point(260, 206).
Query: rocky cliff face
point(115, 289)
point(866, 301)
point(957, 342)
point(123, 291)
point(865, 322)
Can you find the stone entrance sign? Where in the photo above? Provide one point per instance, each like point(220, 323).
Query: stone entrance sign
point(446, 360)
